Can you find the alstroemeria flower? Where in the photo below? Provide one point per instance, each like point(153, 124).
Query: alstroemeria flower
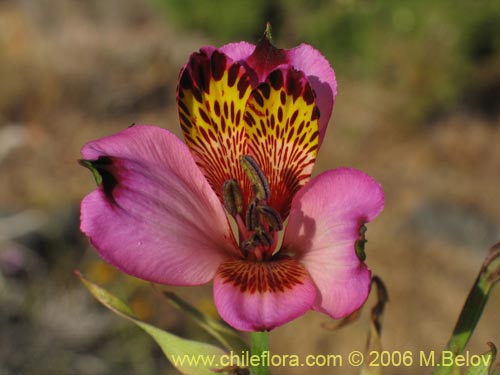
point(236, 204)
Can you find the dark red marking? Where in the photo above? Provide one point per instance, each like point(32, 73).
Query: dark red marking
point(218, 65)
point(276, 79)
point(262, 277)
point(233, 74)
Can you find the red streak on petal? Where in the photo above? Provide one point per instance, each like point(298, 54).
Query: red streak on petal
point(263, 277)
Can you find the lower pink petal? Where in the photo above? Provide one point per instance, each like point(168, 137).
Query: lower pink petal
point(154, 216)
point(324, 225)
point(259, 296)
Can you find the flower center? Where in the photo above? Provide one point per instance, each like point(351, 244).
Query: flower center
point(259, 225)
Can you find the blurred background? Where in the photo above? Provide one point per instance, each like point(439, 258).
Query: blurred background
point(418, 108)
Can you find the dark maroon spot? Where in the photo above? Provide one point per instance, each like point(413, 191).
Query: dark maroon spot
point(264, 131)
point(183, 106)
point(205, 117)
point(294, 117)
point(315, 113)
point(290, 135)
point(271, 125)
point(226, 110)
point(217, 108)
point(294, 83)
point(265, 89)
point(308, 94)
point(301, 140)
point(197, 95)
point(184, 120)
point(200, 68)
point(276, 79)
point(211, 134)
point(280, 114)
point(301, 127)
point(233, 74)
point(232, 112)
point(282, 97)
point(258, 97)
point(203, 133)
point(223, 124)
point(249, 120)
point(272, 121)
point(314, 135)
point(243, 85)
point(218, 64)
point(185, 81)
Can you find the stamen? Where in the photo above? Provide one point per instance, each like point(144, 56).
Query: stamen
point(233, 197)
point(248, 245)
point(252, 217)
point(263, 237)
point(273, 218)
point(258, 180)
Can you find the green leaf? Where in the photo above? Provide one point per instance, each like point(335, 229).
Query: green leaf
point(225, 335)
point(187, 356)
point(473, 307)
point(486, 362)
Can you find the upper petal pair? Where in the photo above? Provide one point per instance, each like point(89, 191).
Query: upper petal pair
point(256, 100)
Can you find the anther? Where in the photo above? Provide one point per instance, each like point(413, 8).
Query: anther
point(258, 180)
point(252, 216)
point(263, 237)
point(272, 217)
point(248, 245)
point(233, 197)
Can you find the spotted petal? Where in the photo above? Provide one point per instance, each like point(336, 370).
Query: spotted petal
point(211, 97)
point(323, 228)
point(154, 216)
point(321, 76)
point(259, 296)
point(281, 120)
point(263, 58)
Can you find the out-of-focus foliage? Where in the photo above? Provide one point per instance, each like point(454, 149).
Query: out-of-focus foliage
point(432, 52)
point(222, 20)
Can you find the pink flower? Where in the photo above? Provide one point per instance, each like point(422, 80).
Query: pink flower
point(253, 118)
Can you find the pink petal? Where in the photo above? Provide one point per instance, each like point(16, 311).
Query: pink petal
point(259, 296)
point(321, 77)
point(238, 51)
point(154, 216)
point(324, 224)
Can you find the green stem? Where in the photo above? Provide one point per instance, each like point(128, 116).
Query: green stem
point(259, 346)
